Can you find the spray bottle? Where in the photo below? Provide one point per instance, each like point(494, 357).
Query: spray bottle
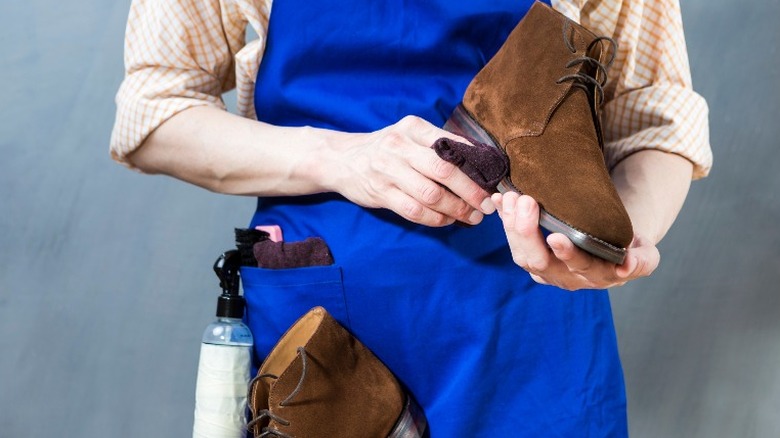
point(225, 360)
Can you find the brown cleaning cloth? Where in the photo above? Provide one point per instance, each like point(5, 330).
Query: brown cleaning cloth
point(284, 255)
point(484, 164)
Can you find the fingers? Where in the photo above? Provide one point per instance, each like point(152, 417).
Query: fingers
point(426, 199)
point(455, 194)
point(641, 261)
point(425, 161)
point(521, 224)
point(520, 215)
point(575, 259)
point(593, 272)
point(556, 260)
point(412, 210)
point(393, 169)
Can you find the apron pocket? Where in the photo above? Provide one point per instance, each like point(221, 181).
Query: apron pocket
point(276, 298)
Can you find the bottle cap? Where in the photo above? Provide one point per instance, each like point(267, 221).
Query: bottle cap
point(230, 306)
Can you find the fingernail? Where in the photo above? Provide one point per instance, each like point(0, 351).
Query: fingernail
point(487, 206)
point(557, 247)
point(475, 217)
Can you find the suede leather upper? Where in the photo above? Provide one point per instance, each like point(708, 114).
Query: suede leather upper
point(346, 391)
point(550, 129)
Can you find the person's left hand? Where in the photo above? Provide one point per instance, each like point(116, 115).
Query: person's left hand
point(557, 261)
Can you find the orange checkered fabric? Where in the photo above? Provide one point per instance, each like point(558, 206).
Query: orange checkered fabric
point(185, 53)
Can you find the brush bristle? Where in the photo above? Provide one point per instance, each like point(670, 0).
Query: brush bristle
point(249, 236)
point(245, 240)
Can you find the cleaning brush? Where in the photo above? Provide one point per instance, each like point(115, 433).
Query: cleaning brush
point(245, 241)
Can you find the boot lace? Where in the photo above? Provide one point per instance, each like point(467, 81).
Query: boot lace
point(263, 414)
point(582, 80)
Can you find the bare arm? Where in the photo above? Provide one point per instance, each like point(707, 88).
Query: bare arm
point(653, 186)
point(225, 153)
point(392, 168)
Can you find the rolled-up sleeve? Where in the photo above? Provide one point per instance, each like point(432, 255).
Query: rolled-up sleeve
point(662, 117)
point(650, 102)
point(178, 54)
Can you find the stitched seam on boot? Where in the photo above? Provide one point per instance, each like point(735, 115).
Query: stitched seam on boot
point(539, 130)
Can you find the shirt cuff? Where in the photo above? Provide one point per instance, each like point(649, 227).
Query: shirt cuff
point(668, 118)
point(142, 107)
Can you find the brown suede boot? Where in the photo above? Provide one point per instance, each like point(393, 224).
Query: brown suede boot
point(539, 100)
point(319, 382)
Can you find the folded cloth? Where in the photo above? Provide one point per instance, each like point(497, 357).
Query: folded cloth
point(484, 164)
point(284, 255)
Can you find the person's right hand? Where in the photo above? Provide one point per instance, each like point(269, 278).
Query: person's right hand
point(396, 168)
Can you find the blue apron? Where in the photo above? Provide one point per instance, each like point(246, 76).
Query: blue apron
point(483, 349)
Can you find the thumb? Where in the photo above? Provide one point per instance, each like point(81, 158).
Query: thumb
point(641, 261)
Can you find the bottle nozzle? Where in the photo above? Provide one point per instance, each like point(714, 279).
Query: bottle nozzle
point(230, 304)
point(226, 267)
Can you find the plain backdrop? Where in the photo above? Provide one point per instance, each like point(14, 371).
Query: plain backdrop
point(105, 274)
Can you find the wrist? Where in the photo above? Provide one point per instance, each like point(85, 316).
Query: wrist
point(321, 165)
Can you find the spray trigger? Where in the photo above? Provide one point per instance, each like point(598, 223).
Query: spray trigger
point(227, 269)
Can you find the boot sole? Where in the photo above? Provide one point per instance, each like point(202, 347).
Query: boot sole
point(463, 124)
point(411, 423)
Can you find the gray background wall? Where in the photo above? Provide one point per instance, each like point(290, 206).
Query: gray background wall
point(105, 281)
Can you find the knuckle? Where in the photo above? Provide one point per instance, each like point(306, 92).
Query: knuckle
point(411, 122)
point(538, 265)
point(442, 169)
point(377, 186)
point(440, 220)
point(430, 193)
point(519, 260)
point(395, 139)
point(413, 210)
point(475, 194)
point(570, 287)
point(463, 210)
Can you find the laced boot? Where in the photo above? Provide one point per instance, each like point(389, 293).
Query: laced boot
point(539, 100)
point(320, 382)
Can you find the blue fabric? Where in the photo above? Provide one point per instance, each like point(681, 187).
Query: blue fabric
point(484, 349)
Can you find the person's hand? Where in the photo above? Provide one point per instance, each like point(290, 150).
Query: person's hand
point(396, 168)
point(557, 261)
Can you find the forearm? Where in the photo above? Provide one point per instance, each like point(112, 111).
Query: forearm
point(229, 154)
point(393, 168)
point(653, 186)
